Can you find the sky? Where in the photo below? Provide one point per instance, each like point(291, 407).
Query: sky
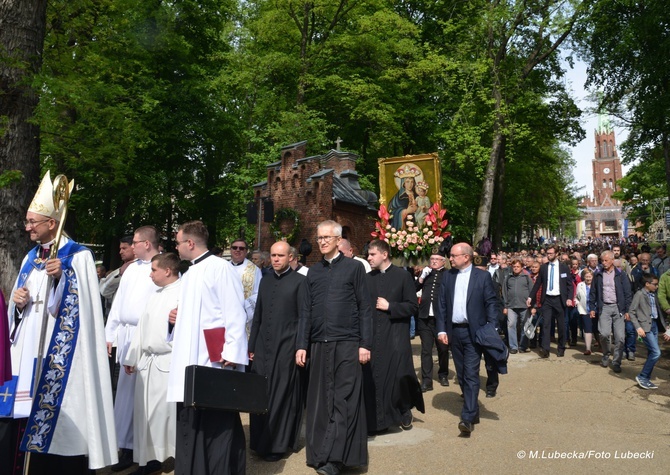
point(583, 152)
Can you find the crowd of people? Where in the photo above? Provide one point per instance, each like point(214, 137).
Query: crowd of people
point(332, 341)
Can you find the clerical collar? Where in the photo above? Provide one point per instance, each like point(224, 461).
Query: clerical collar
point(47, 245)
point(330, 261)
point(467, 269)
point(383, 271)
point(288, 269)
point(237, 263)
point(201, 258)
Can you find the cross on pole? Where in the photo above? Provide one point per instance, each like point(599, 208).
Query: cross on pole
point(337, 144)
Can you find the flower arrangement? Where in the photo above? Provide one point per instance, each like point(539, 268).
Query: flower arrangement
point(415, 240)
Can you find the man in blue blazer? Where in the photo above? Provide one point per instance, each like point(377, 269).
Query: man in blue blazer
point(467, 301)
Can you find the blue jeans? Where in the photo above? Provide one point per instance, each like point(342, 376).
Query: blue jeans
point(651, 342)
point(631, 336)
point(514, 315)
point(412, 327)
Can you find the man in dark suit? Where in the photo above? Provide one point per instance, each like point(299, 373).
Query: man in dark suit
point(554, 278)
point(467, 302)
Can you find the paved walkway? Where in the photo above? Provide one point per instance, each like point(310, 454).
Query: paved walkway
point(546, 413)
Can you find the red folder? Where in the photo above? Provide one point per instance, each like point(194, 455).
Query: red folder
point(214, 339)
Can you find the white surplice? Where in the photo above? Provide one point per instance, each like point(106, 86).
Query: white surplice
point(85, 425)
point(150, 353)
point(131, 298)
point(211, 297)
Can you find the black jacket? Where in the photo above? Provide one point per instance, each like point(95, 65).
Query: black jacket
point(430, 290)
point(336, 304)
point(565, 284)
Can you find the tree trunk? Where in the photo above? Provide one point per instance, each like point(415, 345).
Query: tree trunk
point(488, 188)
point(22, 29)
point(500, 204)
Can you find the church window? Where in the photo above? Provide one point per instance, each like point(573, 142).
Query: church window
point(611, 184)
point(604, 183)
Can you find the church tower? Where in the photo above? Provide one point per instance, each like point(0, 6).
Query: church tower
point(606, 164)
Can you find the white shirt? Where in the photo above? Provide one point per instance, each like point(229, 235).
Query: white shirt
point(556, 287)
point(460, 311)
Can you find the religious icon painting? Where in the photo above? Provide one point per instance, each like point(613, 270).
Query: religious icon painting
point(409, 186)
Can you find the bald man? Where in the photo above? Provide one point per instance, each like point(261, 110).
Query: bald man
point(467, 302)
point(347, 249)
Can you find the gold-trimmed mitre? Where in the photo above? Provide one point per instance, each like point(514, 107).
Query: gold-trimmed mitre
point(43, 202)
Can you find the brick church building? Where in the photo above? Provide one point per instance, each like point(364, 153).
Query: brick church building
point(317, 187)
point(603, 215)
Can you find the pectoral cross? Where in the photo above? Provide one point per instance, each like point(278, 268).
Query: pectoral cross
point(37, 304)
point(6, 395)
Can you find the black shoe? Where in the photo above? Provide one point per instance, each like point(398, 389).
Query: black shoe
point(616, 368)
point(544, 353)
point(466, 428)
point(561, 353)
point(328, 469)
point(426, 387)
point(476, 421)
point(406, 420)
point(154, 466)
point(490, 393)
point(444, 380)
point(125, 461)
point(272, 457)
point(513, 352)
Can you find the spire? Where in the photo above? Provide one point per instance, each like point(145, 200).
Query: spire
point(604, 126)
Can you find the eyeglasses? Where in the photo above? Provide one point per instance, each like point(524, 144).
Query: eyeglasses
point(437, 258)
point(456, 255)
point(182, 242)
point(238, 248)
point(31, 223)
point(137, 242)
point(325, 238)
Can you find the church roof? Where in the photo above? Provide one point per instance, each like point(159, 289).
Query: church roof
point(294, 145)
point(342, 191)
point(320, 174)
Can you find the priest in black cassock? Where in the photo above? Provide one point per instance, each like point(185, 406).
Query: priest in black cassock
point(336, 327)
point(391, 386)
point(271, 349)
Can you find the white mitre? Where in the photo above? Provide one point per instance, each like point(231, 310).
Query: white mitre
point(43, 202)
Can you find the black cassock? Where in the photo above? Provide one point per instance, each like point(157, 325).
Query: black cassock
point(335, 321)
point(272, 341)
point(390, 383)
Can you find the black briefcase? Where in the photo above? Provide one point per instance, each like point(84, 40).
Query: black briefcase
point(225, 390)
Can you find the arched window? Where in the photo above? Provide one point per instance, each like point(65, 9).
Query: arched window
point(604, 183)
point(611, 184)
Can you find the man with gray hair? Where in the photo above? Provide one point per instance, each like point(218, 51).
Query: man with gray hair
point(335, 324)
point(609, 299)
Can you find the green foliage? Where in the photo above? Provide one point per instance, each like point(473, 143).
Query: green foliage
point(164, 112)
point(9, 177)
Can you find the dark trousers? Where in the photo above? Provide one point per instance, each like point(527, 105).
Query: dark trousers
point(492, 377)
point(209, 442)
point(552, 307)
point(467, 356)
point(425, 328)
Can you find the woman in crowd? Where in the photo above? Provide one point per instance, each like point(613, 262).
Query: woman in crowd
point(583, 291)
